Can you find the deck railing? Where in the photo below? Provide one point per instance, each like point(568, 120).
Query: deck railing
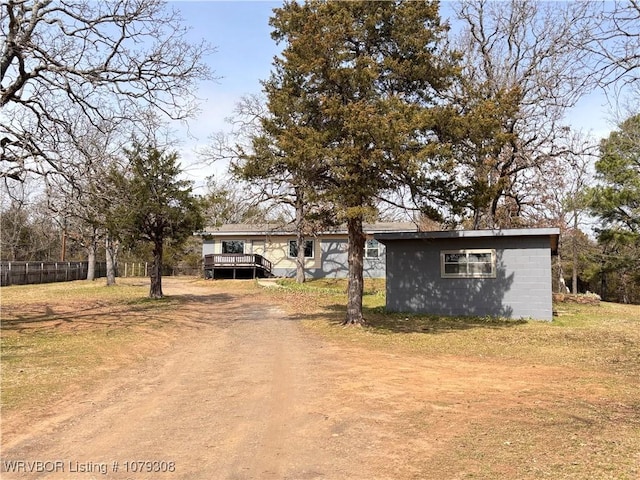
point(235, 260)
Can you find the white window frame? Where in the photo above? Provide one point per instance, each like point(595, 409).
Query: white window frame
point(222, 242)
point(293, 242)
point(366, 248)
point(467, 273)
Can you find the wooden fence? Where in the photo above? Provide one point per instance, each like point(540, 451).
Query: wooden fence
point(22, 273)
point(133, 269)
point(143, 269)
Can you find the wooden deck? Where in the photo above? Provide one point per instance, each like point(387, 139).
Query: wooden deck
point(236, 265)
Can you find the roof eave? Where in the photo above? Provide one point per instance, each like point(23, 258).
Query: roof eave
point(552, 233)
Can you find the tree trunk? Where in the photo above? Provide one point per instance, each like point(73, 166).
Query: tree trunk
point(63, 248)
point(91, 259)
point(356, 282)
point(574, 247)
point(300, 278)
point(562, 285)
point(476, 219)
point(111, 251)
point(493, 211)
point(156, 271)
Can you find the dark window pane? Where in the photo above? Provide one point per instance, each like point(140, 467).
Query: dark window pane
point(454, 268)
point(455, 258)
point(308, 248)
point(372, 249)
point(468, 264)
point(477, 268)
point(232, 246)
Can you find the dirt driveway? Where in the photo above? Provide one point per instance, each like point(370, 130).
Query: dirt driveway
point(243, 394)
point(246, 393)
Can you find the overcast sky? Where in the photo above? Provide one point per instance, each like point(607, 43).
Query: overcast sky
point(242, 36)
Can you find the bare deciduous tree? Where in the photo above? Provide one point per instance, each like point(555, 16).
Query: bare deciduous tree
point(273, 178)
point(228, 201)
point(520, 60)
point(83, 194)
point(28, 231)
point(614, 49)
point(101, 59)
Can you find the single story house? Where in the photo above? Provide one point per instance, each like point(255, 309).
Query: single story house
point(500, 273)
point(249, 251)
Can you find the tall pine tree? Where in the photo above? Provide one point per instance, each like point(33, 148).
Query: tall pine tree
point(354, 99)
point(616, 201)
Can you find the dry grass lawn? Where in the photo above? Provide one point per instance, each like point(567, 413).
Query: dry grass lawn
point(582, 421)
point(567, 405)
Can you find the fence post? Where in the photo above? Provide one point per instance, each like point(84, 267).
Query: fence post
point(146, 269)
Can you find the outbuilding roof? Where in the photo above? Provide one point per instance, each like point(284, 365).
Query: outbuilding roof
point(552, 233)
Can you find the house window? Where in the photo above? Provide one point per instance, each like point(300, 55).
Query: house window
point(232, 246)
point(308, 248)
point(372, 249)
point(468, 263)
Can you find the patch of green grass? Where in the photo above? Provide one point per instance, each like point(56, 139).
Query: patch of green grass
point(372, 286)
point(575, 315)
point(332, 286)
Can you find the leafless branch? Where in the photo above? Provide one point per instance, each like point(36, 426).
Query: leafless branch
point(107, 60)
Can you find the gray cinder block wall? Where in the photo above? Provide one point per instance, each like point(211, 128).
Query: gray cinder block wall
point(521, 287)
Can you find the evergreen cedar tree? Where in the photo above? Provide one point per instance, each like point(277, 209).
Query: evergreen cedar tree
point(159, 207)
point(353, 103)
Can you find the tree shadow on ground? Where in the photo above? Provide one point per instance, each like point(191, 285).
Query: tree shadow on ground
point(173, 309)
point(377, 319)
